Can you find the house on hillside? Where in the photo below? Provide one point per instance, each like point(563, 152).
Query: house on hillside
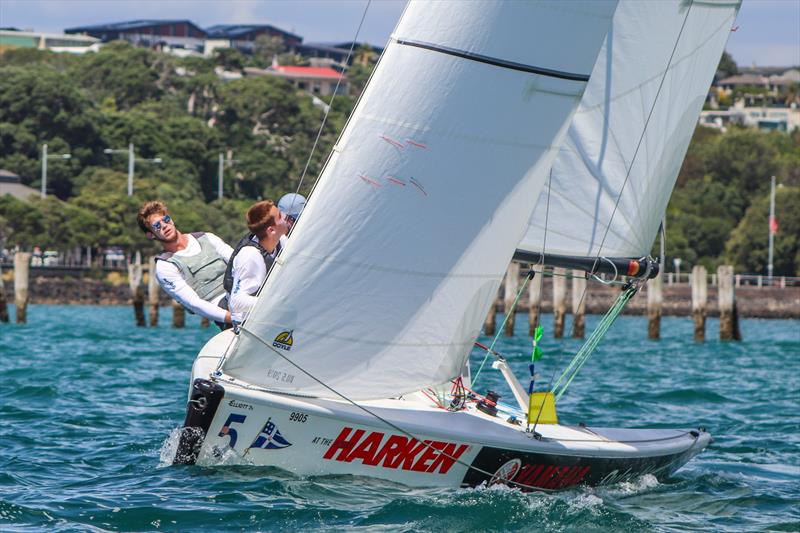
point(13, 38)
point(319, 81)
point(148, 33)
point(10, 184)
point(243, 37)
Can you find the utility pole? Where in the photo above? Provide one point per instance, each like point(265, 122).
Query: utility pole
point(131, 162)
point(45, 157)
point(772, 228)
point(220, 174)
point(131, 159)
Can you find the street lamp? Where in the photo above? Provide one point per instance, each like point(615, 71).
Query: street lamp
point(45, 157)
point(131, 163)
point(221, 172)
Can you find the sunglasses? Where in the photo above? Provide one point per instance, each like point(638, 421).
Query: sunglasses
point(166, 219)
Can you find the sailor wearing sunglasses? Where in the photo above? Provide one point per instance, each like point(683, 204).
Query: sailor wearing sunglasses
point(192, 266)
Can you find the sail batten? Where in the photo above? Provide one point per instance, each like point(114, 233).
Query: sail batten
point(613, 177)
point(388, 275)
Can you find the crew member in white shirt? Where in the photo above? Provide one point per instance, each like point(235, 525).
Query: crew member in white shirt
point(192, 266)
point(253, 257)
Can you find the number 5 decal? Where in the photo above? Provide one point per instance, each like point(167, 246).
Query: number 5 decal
point(233, 418)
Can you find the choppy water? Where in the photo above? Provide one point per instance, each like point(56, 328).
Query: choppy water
point(88, 400)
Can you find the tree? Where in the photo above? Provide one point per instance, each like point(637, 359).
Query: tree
point(747, 247)
point(727, 67)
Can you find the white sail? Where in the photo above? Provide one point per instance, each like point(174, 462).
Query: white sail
point(654, 70)
point(389, 273)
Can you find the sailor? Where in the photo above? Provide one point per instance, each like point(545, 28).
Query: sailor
point(192, 266)
point(253, 256)
point(292, 205)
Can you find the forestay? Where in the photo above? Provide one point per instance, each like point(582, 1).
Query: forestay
point(603, 137)
point(389, 273)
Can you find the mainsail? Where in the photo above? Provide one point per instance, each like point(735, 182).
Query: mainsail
point(629, 136)
point(389, 273)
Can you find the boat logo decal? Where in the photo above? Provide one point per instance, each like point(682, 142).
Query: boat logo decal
point(506, 472)
point(394, 451)
point(240, 405)
point(284, 340)
point(270, 438)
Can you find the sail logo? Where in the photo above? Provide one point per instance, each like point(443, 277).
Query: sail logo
point(284, 340)
point(394, 451)
point(270, 438)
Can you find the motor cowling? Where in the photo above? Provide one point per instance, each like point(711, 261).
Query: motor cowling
point(200, 410)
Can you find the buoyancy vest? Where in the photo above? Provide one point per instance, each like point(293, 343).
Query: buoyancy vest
point(203, 272)
point(247, 240)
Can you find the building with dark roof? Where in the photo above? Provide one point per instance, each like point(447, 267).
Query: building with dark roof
point(243, 36)
point(10, 184)
point(150, 33)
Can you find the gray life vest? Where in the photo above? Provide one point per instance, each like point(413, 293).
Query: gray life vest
point(203, 272)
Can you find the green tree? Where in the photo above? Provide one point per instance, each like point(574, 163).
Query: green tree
point(748, 248)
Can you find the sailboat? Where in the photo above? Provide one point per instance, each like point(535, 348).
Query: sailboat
point(354, 359)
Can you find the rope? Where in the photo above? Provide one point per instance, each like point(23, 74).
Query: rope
point(591, 344)
point(510, 312)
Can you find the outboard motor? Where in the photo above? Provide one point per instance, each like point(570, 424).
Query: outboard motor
point(200, 411)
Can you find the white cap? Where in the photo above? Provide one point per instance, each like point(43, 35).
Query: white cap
point(292, 204)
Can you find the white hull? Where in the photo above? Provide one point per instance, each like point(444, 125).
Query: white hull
point(419, 444)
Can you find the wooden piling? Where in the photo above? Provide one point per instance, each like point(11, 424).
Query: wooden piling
point(22, 265)
point(204, 322)
point(512, 286)
point(153, 292)
point(135, 279)
point(534, 301)
point(3, 301)
point(699, 299)
point(559, 301)
point(654, 300)
point(578, 304)
point(178, 315)
point(728, 314)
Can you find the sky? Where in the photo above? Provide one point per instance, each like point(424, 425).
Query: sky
point(768, 31)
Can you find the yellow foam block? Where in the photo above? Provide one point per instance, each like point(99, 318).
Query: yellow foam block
point(542, 408)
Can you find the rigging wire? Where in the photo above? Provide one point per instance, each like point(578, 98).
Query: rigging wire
point(330, 103)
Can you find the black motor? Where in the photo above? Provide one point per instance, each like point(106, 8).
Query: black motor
point(200, 411)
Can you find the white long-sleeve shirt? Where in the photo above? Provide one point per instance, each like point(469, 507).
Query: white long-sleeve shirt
point(171, 280)
point(249, 273)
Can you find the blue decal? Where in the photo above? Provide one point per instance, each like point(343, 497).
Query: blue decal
point(270, 438)
point(233, 418)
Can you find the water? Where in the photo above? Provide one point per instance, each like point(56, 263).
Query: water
point(88, 402)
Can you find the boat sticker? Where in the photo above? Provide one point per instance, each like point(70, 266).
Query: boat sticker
point(270, 438)
point(284, 340)
point(394, 451)
point(233, 418)
point(240, 405)
point(506, 472)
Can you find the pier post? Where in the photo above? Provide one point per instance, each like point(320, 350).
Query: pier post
point(178, 315)
point(135, 279)
point(578, 304)
point(204, 322)
point(559, 301)
point(728, 314)
point(152, 291)
point(22, 265)
point(512, 286)
point(654, 299)
point(3, 301)
point(534, 301)
point(699, 299)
